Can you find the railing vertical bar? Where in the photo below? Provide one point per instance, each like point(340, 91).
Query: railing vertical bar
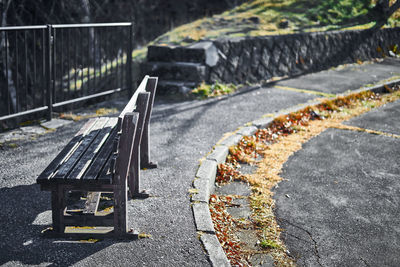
point(68, 62)
point(117, 70)
point(62, 95)
point(94, 59)
point(81, 67)
point(76, 62)
point(44, 64)
point(106, 51)
point(100, 55)
point(26, 72)
point(88, 61)
point(54, 64)
point(121, 66)
point(121, 71)
point(129, 61)
point(34, 71)
point(16, 74)
point(7, 87)
point(49, 73)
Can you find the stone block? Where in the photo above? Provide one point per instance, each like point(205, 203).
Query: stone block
point(207, 170)
point(231, 140)
point(219, 154)
point(210, 52)
point(204, 189)
point(55, 123)
point(214, 250)
point(246, 131)
point(202, 217)
point(262, 123)
point(176, 71)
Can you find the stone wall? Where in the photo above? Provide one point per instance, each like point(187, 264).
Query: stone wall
point(256, 59)
point(261, 58)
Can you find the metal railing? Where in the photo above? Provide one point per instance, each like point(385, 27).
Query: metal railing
point(43, 67)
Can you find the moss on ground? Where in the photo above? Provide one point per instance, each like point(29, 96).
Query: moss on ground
point(213, 90)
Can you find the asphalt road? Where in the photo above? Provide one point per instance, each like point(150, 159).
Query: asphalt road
point(181, 134)
point(344, 189)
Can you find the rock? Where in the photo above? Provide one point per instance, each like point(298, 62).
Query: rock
point(255, 20)
point(283, 24)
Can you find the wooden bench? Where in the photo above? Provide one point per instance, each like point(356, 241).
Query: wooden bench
point(103, 157)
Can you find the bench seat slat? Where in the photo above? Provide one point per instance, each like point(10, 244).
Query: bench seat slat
point(107, 172)
point(67, 150)
point(66, 167)
point(101, 162)
point(91, 153)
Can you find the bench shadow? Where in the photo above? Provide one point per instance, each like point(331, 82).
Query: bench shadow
point(25, 212)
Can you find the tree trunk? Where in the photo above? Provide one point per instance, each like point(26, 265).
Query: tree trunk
point(382, 12)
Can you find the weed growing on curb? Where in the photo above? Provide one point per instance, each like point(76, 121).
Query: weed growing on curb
point(213, 90)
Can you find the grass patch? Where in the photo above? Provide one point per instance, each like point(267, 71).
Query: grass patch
point(97, 113)
point(266, 243)
point(213, 90)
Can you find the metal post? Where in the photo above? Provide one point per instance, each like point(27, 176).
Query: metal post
point(49, 74)
point(129, 61)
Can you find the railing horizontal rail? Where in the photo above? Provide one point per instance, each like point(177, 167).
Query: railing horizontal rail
point(91, 25)
point(23, 113)
point(79, 99)
point(21, 28)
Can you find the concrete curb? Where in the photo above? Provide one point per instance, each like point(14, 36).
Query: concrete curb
point(214, 250)
point(205, 177)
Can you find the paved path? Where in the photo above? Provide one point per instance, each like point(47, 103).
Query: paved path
point(344, 188)
point(182, 133)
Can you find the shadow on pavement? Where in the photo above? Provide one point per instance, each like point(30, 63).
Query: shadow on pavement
point(25, 212)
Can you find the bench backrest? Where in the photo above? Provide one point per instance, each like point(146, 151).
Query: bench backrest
point(133, 129)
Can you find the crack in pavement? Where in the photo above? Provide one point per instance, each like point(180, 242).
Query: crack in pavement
point(316, 252)
point(365, 262)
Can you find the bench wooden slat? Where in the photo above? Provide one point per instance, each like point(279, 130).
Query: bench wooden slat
point(92, 202)
point(87, 158)
point(125, 146)
point(87, 219)
point(64, 170)
point(145, 160)
point(107, 172)
point(101, 163)
point(67, 150)
point(134, 163)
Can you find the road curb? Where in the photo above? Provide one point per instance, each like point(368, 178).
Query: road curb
point(204, 182)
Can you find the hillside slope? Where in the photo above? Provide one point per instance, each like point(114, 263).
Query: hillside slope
point(272, 17)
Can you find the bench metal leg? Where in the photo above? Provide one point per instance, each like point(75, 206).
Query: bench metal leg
point(58, 207)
